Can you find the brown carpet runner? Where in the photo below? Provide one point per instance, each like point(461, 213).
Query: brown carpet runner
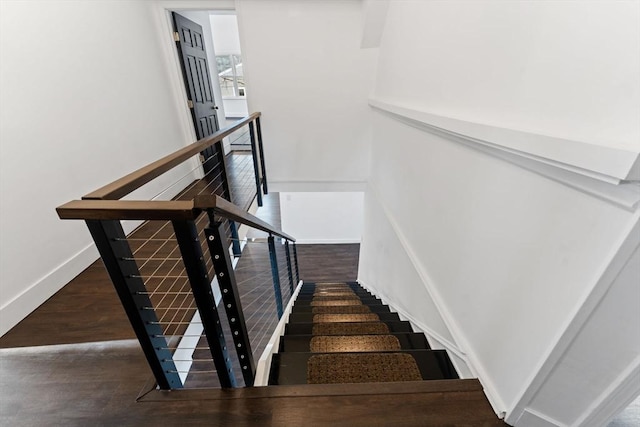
point(361, 368)
point(326, 303)
point(350, 298)
point(333, 293)
point(369, 317)
point(341, 309)
point(342, 328)
point(353, 343)
point(343, 325)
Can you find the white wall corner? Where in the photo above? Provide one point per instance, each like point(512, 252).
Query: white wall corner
point(31, 298)
point(624, 390)
point(618, 259)
point(374, 17)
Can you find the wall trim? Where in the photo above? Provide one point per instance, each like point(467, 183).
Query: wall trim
point(327, 241)
point(611, 268)
point(533, 417)
point(609, 174)
point(422, 327)
point(605, 163)
point(31, 298)
point(460, 340)
point(277, 186)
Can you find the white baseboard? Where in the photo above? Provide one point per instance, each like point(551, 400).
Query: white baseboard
point(264, 363)
point(532, 418)
point(278, 186)
point(327, 241)
point(31, 298)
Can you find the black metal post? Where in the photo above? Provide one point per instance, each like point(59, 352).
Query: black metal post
point(295, 261)
point(256, 166)
point(227, 194)
point(286, 248)
point(123, 270)
point(219, 249)
point(261, 148)
point(276, 275)
point(235, 239)
point(189, 243)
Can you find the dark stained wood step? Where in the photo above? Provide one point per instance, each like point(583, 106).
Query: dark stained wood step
point(364, 300)
point(291, 368)
point(301, 343)
point(308, 317)
point(341, 309)
point(313, 390)
point(307, 328)
point(341, 294)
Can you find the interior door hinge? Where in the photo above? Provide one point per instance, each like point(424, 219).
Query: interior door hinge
point(190, 103)
point(176, 36)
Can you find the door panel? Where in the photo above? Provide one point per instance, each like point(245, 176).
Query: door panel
point(197, 78)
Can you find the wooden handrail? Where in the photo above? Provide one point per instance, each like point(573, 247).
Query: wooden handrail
point(128, 209)
point(163, 210)
point(233, 212)
point(128, 183)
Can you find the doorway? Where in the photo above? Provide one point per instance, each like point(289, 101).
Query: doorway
point(224, 60)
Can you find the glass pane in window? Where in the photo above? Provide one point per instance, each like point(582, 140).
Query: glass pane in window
point(225, 75)
point(237, 59)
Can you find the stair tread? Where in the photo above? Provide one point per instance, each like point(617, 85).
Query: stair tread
point(341, 309)
point(328, 301)
point(291, 368)
point(361, 368)
point(302, 343)
point(373, 317)
point(307, 328)
point(438, 402)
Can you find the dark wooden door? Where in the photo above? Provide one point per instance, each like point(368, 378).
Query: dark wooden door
point(197, 78)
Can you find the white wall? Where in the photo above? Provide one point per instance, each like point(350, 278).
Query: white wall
point(506, 250)
point(322, 217)
point(564, 69)
point(85, 99)
point(225, 33)
point(305, 70)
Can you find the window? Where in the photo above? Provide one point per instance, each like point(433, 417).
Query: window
point(230, 75)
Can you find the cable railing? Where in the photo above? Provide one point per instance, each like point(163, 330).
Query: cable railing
point(202, 307)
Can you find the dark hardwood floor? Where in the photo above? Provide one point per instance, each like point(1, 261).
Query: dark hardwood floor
point(328, 262)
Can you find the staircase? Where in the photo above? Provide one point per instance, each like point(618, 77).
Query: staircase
point(340, 333)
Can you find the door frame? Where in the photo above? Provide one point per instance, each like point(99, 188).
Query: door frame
point(164, 25)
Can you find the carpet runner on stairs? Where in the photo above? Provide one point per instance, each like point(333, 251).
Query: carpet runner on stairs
point(340, 333)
